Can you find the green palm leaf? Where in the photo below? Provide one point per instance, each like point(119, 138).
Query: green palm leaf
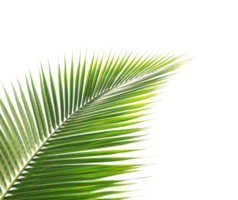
point(57, 149)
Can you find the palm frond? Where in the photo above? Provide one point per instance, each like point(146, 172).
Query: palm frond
point(56, 149)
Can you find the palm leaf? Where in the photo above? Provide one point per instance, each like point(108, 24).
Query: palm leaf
point(57, 149)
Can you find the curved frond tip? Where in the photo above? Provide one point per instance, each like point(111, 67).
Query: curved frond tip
point(57, 144)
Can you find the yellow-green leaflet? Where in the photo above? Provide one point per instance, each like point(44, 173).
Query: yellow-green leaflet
point(60, 125)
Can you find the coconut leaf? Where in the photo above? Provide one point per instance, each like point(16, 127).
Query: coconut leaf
point(58, 135)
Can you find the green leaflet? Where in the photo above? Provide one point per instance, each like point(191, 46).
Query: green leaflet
point(55, 146)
